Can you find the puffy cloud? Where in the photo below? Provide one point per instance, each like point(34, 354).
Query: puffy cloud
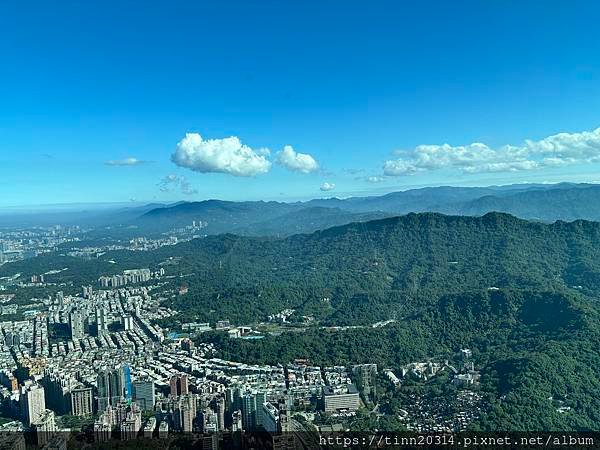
point(554, 151)
point(125, 162)
point(327, 186)
point(227, 155)
point(297, 162)
point(398, 167)
point(170, 182)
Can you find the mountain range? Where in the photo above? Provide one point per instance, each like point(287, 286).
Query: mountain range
point(546, 203)
point(539, 202)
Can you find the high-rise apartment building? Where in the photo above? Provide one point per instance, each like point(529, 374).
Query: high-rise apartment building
point(77, 324)
point(111, 386)
point(101, 320)
point(144, 394)
point(127, 322)
point(82, 402)
point(366, 380)
point(249, 411)
point(184, 413)
point(179, 385)
point(32, 402)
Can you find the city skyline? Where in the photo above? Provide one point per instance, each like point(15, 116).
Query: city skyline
point(367, 99)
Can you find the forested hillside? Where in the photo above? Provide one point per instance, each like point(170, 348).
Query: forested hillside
point(368, 271)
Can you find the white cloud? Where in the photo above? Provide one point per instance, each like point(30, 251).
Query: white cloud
point(375, 179)
point(166, 182)
point(327, 186)
point(124, 162)
point(297, 162)
point(559, 150)
point(227, 155)
point(170, 182)
point(186, 188)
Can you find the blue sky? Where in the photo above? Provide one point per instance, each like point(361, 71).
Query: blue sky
point(96, 98)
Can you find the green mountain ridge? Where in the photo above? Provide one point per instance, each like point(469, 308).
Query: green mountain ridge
point(384, 262)
point(546, 203)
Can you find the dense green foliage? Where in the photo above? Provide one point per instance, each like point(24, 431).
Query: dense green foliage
point(365, 272)
point(306, 220)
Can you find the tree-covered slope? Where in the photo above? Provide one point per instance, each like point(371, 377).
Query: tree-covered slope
point(306, 220)
point(370, 270)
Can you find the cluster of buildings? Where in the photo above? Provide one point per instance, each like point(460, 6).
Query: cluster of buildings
point(132, 276)
point(16, 245)
point(138, 244)
point(145, 244)
point(426, 414)
point(463, 374)
point(142, 243)
point(281, 316)
point(188, 231)
point(99, 356)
